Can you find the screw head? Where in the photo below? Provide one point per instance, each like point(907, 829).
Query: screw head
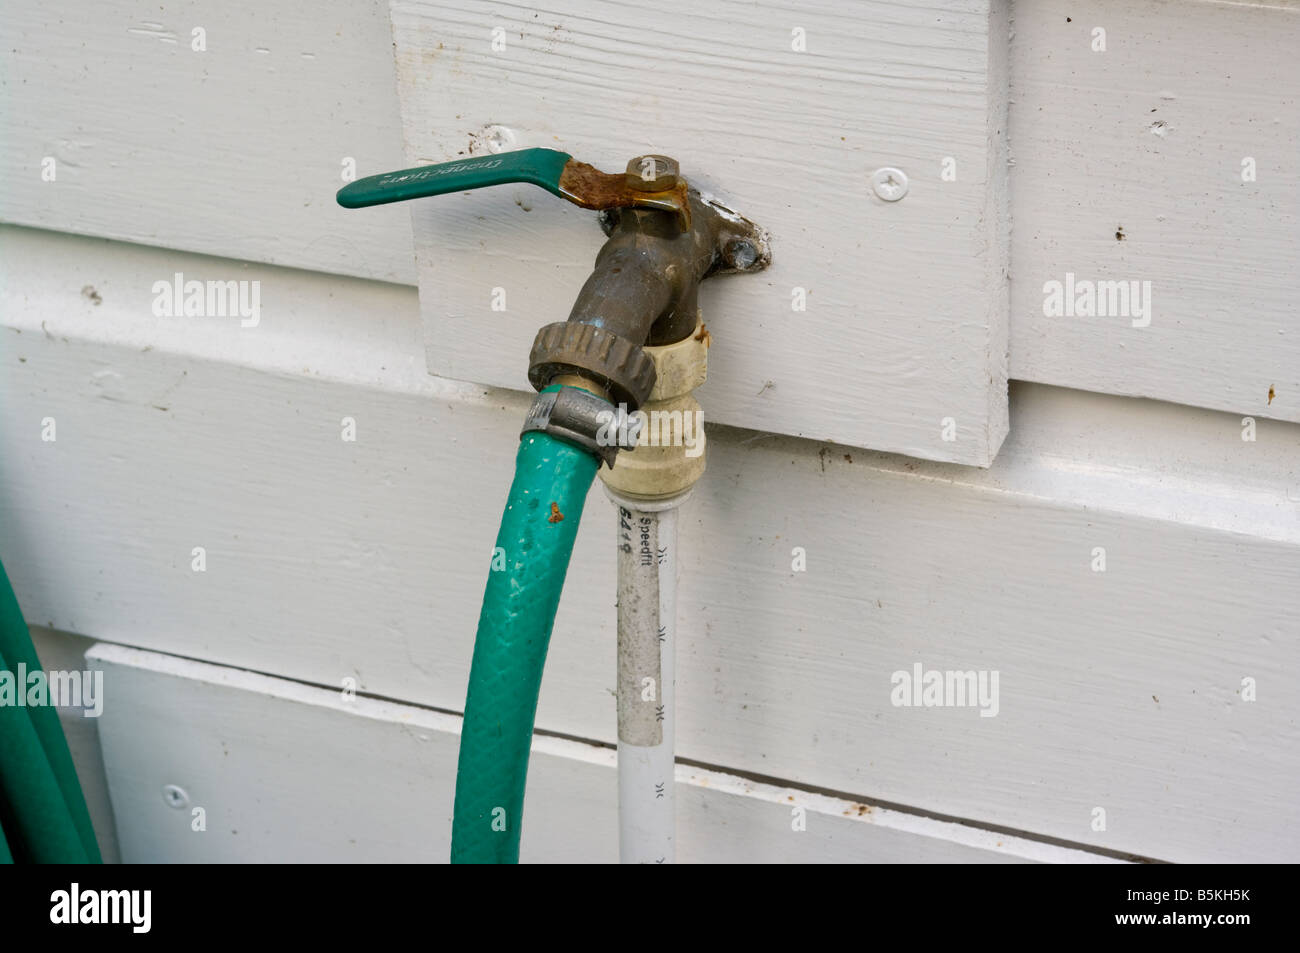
point(652, 173)
point(889, 183)
point(175, 796)
point(740, 253)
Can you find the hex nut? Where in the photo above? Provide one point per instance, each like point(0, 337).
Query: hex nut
point(652, 173)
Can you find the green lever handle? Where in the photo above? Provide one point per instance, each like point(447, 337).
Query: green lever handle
point(557, 172)
point(542, 167)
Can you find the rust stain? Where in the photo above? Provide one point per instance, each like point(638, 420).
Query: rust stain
point(586, 186)
point(703, 335)
point(556, 516)
point(1119, 233)
point(1271, 395)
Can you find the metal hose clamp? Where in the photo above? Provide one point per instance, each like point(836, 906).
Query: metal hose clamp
point(583, 419)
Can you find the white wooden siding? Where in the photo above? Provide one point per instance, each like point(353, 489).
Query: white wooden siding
point(235, 151)
point(280, 768)
point(1148, 139)
point(1120, 690)
point(329, 560)
point(160, 154)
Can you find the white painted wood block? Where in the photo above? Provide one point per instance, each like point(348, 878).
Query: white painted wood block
point(903, 343)
point(1181, 136)
point(235, 149)
point(286, 772)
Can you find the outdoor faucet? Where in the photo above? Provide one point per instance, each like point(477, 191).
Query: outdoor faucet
point(633, 339)
point(664, 239)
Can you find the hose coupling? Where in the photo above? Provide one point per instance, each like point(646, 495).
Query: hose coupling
point(670, 454)
point(585, 420)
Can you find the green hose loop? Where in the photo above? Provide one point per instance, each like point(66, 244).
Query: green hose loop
point(43, 816)
point(537, 533)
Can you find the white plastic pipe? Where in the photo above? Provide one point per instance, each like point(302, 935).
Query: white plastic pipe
point(647, 633)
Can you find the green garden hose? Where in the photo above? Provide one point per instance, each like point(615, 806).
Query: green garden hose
point(43, 816)
point(552, 478)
